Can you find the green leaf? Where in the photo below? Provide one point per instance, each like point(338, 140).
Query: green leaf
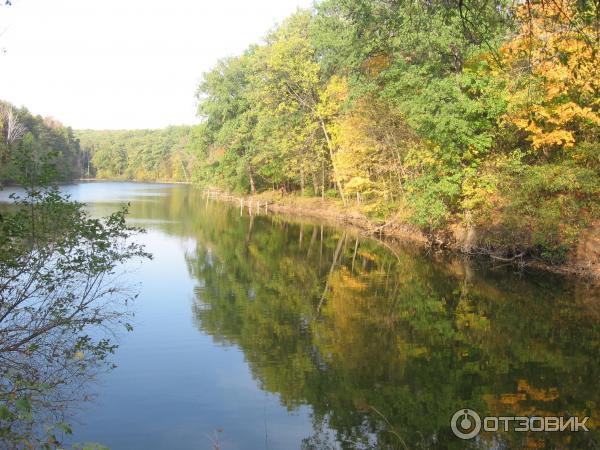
point(23, 405)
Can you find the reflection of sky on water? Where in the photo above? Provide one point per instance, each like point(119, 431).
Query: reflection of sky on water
point(104, 191)
point(174, 384)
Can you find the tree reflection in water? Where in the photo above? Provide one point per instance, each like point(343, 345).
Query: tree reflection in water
point(385, 344)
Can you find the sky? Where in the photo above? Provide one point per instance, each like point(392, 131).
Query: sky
point(114, 64)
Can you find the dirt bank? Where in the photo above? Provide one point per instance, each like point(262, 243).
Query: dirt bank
point(583, 261)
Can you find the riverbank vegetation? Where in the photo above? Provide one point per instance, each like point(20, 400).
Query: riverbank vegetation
point(61, 303)
point(481, 114)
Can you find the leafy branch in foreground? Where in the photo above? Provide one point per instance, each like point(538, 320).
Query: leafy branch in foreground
point(61, 297)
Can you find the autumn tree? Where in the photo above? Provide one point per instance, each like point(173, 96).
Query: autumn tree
point(554, 64)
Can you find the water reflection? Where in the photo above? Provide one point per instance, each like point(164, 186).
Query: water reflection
point(380, 344)
point(385, 346)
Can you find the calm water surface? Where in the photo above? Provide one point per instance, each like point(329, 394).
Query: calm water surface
point(270, 334)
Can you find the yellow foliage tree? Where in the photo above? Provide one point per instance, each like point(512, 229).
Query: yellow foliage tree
point(553, 76)
point(354, 151)
point(370, 141)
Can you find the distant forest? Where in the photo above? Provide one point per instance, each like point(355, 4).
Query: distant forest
point(29, 139)
point(144, 155)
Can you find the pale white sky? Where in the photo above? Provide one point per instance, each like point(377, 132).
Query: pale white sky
point(123, 63)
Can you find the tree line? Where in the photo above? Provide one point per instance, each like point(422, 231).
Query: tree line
point(143, 155)
point(37, 140)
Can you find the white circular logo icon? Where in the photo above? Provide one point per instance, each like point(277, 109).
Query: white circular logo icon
point(465, 423)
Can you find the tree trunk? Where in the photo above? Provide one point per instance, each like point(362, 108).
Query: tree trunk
point(354, 255)
point(248, 236)
point(335, 174)
point(184, 171)
point(336, 255)
point(322, 178)
point(321, 250)
point(471, 235)
point(251, 178)
point(312, 241)
point(315, 183)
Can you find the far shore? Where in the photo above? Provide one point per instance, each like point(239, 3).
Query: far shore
point(117, 180)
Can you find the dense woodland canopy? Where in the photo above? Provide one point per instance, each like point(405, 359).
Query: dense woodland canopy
point(482, 113)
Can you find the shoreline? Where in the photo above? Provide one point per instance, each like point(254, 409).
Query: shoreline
point(116, 180)
point(583, 262)
point(335, 214)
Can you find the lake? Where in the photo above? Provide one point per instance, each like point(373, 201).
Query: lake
point(261, 332)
